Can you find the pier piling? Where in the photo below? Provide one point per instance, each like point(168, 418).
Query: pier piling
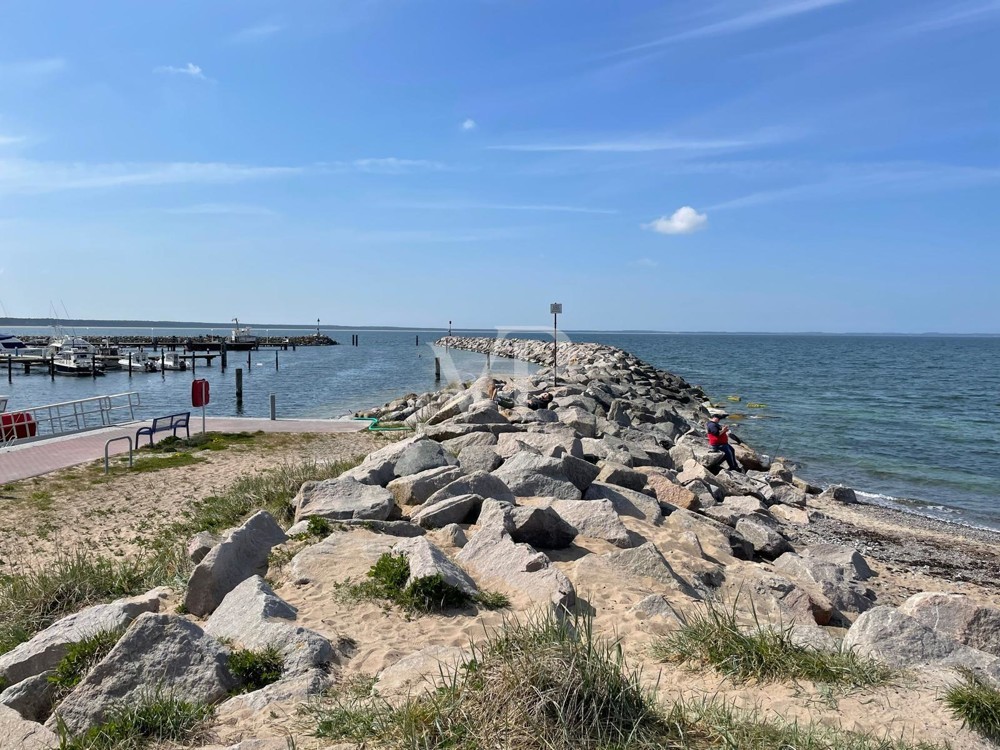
point(437, 369)
point(130, 364)
point(239, 386)
point(274, 408)
point(10, 369)
point(275, 360)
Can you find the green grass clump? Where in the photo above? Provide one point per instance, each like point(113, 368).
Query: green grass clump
point(551, 684)
point(169, 461)
point(154, 717)
point(387, 580)
point(35, 598)
point(270, 490)
point(977, 704)
point(80, 658)
point(256, 669)
point(212, 441)
point(319, 526)
point(762, 654)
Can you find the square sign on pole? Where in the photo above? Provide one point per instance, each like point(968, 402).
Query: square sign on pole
point(555, 308)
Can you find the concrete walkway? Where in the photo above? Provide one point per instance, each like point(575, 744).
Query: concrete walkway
point(41, 457)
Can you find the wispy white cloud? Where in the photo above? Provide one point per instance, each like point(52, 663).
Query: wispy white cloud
point(222, 209)
point(255, 33)
point(474, 206)
point(391, 165)
point(427, 236)
point(10, 140)
point(955, 15)
point(469, 124)
point(188, 70)
point(21, 176)
point(761, 15)
point(862, 180)
point(29, 70)
point(641, 144)
point(684, 220)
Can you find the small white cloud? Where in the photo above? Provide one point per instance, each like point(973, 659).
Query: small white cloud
point(188, 70)
point(392, 165)
point(10, 140)
point(233, 209)
point(469, 124)
point(684, 220)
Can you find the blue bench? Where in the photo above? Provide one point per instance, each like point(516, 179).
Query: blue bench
point(172, 422)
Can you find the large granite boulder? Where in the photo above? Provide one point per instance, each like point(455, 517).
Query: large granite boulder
point(518, 568)
point(477, 483)
point(898, 640)
point(957, 617)
point(343, 497)
point(596, 519)
point(529, 475)
point(158, 651)
point(479, 458)
point(448, 511)
point(644, 561)
point(627, 502)
point(241, 555)
point(46, 649)
point(253, 617)
point(20, 734)
point(414, 489)
point(580, 472)
point(766, 541)
point(542, 528)
point(427, 560)
point(420, 456)
point(615, 473)
point(33, 698)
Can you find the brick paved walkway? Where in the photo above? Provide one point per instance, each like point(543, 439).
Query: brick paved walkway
point(43, 456)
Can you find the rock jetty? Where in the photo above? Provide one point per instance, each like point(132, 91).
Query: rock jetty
point(608, 500)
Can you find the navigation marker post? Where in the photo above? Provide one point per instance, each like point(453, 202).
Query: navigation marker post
point(555, 308)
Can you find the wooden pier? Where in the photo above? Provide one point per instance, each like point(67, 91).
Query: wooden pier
point(39, 363)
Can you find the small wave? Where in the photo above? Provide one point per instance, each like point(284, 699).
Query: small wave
point(923, 509)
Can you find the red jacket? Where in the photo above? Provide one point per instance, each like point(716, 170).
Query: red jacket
point(721, 437)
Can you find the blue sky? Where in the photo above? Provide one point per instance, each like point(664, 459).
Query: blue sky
point(779, 165)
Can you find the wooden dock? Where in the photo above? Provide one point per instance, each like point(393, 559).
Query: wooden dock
point(33, 364)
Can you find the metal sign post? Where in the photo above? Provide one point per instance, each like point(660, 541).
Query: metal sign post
point(555, 308)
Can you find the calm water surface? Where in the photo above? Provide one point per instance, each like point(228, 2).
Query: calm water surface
point(912, 421)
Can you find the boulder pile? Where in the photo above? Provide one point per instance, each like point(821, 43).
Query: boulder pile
point(611, 484)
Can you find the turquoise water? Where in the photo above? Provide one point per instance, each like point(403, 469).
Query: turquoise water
point(912, 421)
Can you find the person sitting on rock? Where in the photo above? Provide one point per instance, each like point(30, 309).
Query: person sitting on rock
point(541, 401)
point(718, 438)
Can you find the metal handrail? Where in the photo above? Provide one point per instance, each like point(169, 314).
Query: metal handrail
point(107, 466)
point(82, 414)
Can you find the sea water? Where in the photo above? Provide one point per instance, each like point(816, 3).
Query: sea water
point(911, 421)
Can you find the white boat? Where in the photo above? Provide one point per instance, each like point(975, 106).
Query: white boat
point(140, 362)
point(241, 335)
point(172, 361)
point(61, 343)
point(78, 363)
point(11, 344)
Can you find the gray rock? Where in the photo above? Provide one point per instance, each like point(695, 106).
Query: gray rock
point(528, 475)
point(787, 494)
point(20, 734)
point(455, 445)
point(343, 497)
point(427, 669)
point(766, 542)
point(33, 698)
point(734, 483)
point(200, 544)
point(790, 514)
point(955, 616)
point(484, 412)
point(452, 408)
point(454, 535)
point(580, 472)
point(252, 616)
point(596, 519)
point(839, 493)
point(623, 476)
point(451, 510)
point(655, 605)
point(712, 533)
point(46, 649)
point(379, 467)
point(627, 502)
point(541, 528)
point(891, 637)
point(644, 561)
point(498, 560)
point(414, 489)
point(477, 483)
point(426, 560)
point(158, 650)
point(833, 579)
point(420, 456)
point(243, 554)
point(294, 689)
point(479, 458)
point(554, 443)
point(848, 559)
point(582, 422)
